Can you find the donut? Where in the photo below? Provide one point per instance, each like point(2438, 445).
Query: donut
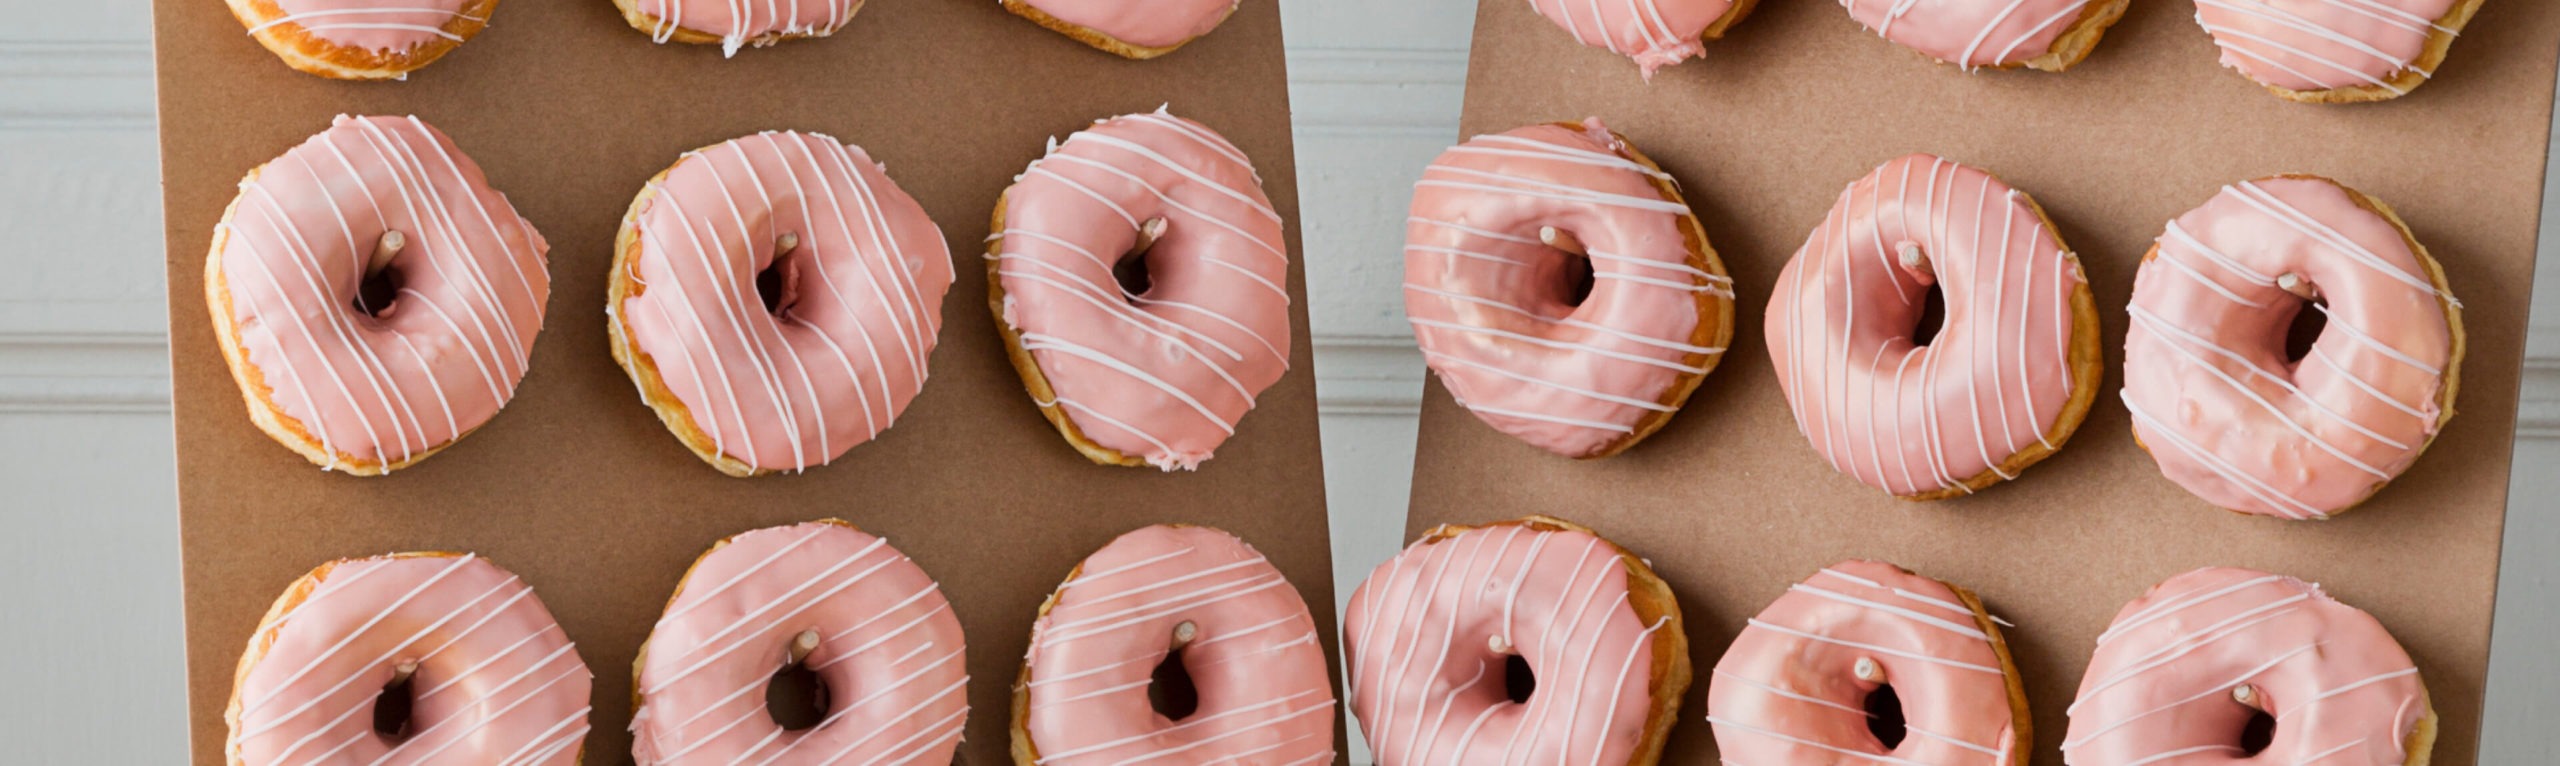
point(1182, 594)
point(1656, 33)
point(736, 24)
point(1435, 637)
point(1134, 29)
point(2182, 672)
point(2335, 51)
point(821, 596)
point(1154, 373)
point(1558, 284)
point(463, 646)
point(826, 281)
point(375, 299)
point(1800, 684)
point(2003, 382)
point(2217, 399)
point(362, 39)
point(2047, 35)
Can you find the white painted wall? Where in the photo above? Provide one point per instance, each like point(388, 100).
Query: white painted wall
point(88, 534)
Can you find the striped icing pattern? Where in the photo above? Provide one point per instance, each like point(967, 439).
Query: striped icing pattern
point(1787, 691)
point(2310, 45)
point(1163, 375)
point(376, 25)
point(740, 23)
point(1420, 641)
point(496, 680)
point(889, 651)
point(1487, 298)
point(1993, 382)
point(1265, 696)
point(2214, 397)
point(859, 308)
point(1971, 33)
point(445, 354)
point(2160, 688)
point(1656, 33)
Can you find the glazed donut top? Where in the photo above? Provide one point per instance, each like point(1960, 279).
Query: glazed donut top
point(2206, 376)
point(379, 25)
point(446, 353)
point(2161, 685)
point(495, 679)
point(1425, 637)
point(1488, 305)
point(1789, 690)
point(1913, 419)
point(1166, 374)
point(844, 348)
point(739, 23)
point(1144, 23)
point(1264, 693)
point(2325, 44)
point(889, 650)
point(1973, 33)
point(1656, 33)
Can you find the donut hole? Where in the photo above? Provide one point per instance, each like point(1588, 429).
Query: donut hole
point(796, 697)
point(1577, 280)
point(775, 285)
point(1171, 691)
point(1933, 316)
point(1884, 717)
point(2257, 734)
point(2308, 322)
point(391, 708)
point(1518, 681)
point(1131, 273)
point(375, 294)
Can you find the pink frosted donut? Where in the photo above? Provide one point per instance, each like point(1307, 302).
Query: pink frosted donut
point(362, 39)
point(2183, 670)
point(376, 300)
point(1138, 29)
point(1656, 33)
point(2002, 384)
point(1174, 594)
point(775, 298)
point(2335, 51)
point(1506, 230)
point(1431, 640)
point(1797, 685)
point(488, 676)
point(823, 596)
point(2215, 397)
point(1156, 373)
point(2050, 35)
point(736, 24)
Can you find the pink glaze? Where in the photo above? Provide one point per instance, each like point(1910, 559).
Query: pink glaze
point(2324, 44)
point(889, 652)
point(860, 303)
point(2212, 394)
point(1265, 696)
point(739, 23)
point(1423, 642)
point(1971, 33)
point(496, 680)
point(1144, 23)
point(1487, 299)
point(375, 25)
point(1911, 419)
point(2160, 690)
point(1788, 690)
point(446, 353)
point(1656, 33)
point(1162, 375)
